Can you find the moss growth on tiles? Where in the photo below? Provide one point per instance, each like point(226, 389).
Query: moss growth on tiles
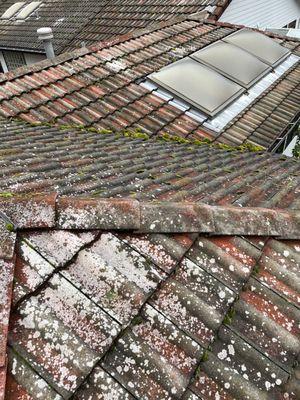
point(255, 270)
point(229, 317)
point(205, 356)
point(138, 133)
point(137, 320)
point(6, 194)
point(9, 227)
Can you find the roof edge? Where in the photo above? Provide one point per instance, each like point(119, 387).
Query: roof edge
point(51, 211)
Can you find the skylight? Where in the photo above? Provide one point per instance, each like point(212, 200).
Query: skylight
point(195, 84)
point(216, 83)
point(260, 45)
point(233, 62)
point(28, 9)
point(12, 10)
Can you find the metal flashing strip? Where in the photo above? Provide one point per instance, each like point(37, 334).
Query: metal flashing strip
point(218, 122)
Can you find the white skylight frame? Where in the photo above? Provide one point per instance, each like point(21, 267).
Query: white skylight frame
point(12, 10)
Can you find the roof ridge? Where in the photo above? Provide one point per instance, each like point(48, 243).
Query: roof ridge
point(68, 212)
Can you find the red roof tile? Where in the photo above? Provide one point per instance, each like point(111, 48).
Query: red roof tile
point(153, 316)
point(99, 87)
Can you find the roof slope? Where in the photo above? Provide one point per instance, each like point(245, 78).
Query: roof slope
point(110, 165)
point(121, 17)
point(89, 21)
point(65, 17)
point(100, 87)
point(155, 315)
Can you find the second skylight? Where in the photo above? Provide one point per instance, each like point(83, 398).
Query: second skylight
point(233, 62)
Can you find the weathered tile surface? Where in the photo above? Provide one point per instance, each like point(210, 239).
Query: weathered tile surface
point(2, 381)
point(7, 240)
point(62, 333)
point(153, 359)
point(98, 214)
point(230, 259)
point(58, 247)
point(194, 300)
point(101, 386)
point(109, 166)
point(115, 277)
point(23, 383)
point(31, 270)
point(101, 315)
point(29, 212)
point(269, 322)
point(236, 370)
point(279, 269)
point(6, 279)
point(163, 250)
point(77, 23)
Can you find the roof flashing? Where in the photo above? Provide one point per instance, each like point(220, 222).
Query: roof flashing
point(218, 121)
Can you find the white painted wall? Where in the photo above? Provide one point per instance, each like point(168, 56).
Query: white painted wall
point(262, 13)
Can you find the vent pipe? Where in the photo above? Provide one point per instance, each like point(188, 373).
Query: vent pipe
point(46, 36)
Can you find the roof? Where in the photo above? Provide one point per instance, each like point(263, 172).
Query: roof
point(121, 17)
point(88, 162)
point(100, 87)
point(126, 299)
point(139, 260)
point(81, 23)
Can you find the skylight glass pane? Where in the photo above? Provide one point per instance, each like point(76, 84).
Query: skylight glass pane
point(26, 11)
point(12, 10)
point(233, 62)
point(259, 45)
point(198, 85)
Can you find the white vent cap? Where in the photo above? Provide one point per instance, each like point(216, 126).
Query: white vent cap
point(45, 33)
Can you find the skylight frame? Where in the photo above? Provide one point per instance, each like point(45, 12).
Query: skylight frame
point(221, 71)
point(251, 31)
point(179, 96)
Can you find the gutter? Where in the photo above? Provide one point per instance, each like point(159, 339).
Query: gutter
point(286, 136)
